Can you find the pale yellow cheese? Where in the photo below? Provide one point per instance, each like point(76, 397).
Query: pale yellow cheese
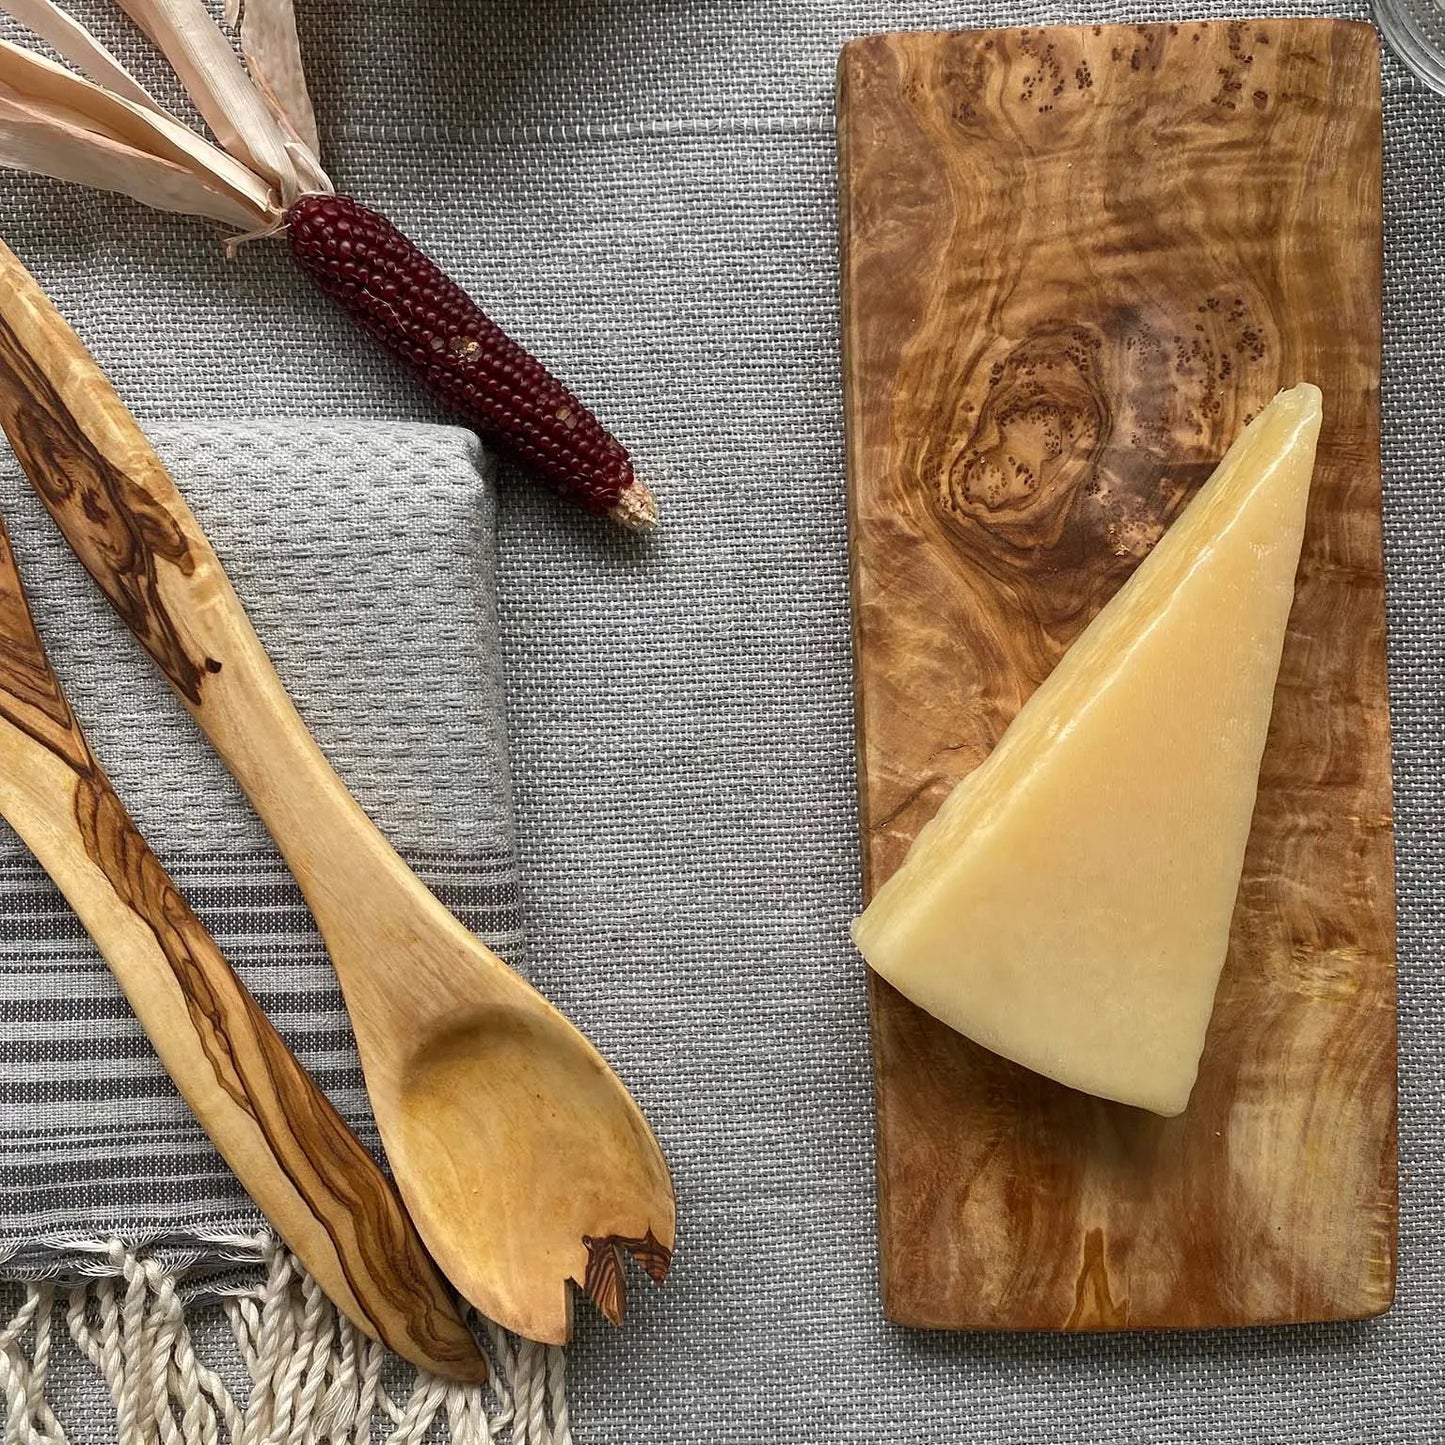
point(1069, 906)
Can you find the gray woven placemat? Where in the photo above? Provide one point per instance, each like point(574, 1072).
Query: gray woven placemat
point(644, 192)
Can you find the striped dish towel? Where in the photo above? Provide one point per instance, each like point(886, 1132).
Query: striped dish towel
point(365, 555)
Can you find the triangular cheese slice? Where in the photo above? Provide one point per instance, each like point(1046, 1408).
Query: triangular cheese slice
point(1069, 906)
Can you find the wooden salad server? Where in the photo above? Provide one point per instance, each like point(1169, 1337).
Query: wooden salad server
point(326, 1196)
point(524, 1161)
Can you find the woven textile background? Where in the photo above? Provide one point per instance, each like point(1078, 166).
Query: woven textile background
point(644, 192)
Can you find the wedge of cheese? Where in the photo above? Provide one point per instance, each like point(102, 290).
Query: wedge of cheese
point(1069, 906)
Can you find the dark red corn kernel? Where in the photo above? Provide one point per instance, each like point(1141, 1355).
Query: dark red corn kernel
point(427, 321)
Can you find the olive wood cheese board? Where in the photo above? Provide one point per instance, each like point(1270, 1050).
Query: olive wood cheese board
point(1076, 261)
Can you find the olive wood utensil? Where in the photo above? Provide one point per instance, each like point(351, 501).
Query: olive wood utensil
point(522, 1158)
point(326, 1196)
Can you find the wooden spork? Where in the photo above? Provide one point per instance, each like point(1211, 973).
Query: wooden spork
point(522, 1158)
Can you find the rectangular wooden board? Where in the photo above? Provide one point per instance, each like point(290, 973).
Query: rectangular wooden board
point(1075, 262)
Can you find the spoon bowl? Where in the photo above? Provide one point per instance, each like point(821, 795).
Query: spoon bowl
point(527, 1059)
point(525, 1163)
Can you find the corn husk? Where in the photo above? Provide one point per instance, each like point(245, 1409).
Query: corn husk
point(103, 128)
point(272, 50)
point(47, 146)
point(222, 89)
point(71, 40)
point(51, 116)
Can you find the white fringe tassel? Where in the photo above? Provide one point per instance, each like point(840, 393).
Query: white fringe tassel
point(314, 1377)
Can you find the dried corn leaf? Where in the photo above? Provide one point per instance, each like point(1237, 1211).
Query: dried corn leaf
point(222, 91)
point(272, 50)
point(34, 78)
point(45, 145)
point(70, 39)
point(49, 92)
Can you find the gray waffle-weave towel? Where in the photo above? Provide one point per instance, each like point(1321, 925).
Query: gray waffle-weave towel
point(364, 553)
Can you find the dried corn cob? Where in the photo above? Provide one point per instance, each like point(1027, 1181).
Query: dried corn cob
point(266, 177)
point(416, 310)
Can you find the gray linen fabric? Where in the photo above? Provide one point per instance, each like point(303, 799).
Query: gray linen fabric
point(644, 192)
point(364, 552)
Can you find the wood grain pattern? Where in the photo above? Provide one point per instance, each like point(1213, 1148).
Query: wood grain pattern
point(521, 1156)
point(1076, 261)
point(605, 1279)
point(288, 1145)
point(127, 531)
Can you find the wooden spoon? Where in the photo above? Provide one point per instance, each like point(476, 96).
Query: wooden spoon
point(292, 1151)
point(523, 1159)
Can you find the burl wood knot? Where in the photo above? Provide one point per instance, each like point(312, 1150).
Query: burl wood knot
point(1074, 449)
point(1034, 441)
